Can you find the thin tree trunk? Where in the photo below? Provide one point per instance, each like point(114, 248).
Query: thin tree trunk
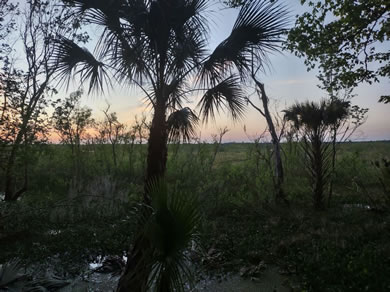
point(333, 165)
point(319, 175)
point(131, 150)
point(9, 175)
point(10, 194)
point(114, 153)
point(279, 173)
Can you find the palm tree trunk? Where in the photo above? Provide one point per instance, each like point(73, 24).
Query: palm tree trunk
point(157, 149)
point(135, 277)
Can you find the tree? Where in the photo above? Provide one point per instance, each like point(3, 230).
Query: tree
point(347, 40)
point(342, 129)
point(275, 138)
point(15, 141)
point(162, 45)
point(25, 91)
point(315, 122)
point(71, 121)
point(278, 177)
point(8, 13)
point(217, 141)
point(112, 130)
point(170, 228)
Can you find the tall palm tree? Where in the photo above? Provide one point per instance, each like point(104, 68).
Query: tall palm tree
point(161, 47)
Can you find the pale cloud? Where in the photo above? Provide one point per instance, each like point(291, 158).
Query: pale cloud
point(294, 81)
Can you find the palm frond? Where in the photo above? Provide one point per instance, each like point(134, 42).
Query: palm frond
point(337, 110)
point(182, 124)
point(178, 90)
point(170, 229)
point(130, 61)
point(188, 15)
point(258, 30)
point(10, 273)
point(69, 58)
point(227, 94)
point(187, 53)
point(316, 115)
point(104, 5)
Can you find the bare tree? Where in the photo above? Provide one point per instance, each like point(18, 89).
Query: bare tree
point(26, 91)
point(275, 137)
point(113, 130)
point(217, 139)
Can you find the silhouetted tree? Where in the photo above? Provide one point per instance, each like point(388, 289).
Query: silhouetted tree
point(162, 44)
point(26, 91)
point(275, 138)
point(71, 121)
point(112, 130)
point(314, 121)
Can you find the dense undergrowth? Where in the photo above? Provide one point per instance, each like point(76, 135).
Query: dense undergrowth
point(81, 207)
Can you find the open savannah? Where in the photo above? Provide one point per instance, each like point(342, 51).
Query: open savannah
point(144, 146)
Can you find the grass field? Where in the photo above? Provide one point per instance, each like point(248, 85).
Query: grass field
point(81, 206)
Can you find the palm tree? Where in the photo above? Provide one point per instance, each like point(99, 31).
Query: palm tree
point(314, 122)
point(161, 47)
point(169, 229)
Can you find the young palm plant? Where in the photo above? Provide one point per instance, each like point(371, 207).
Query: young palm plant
point(169, 229)
point(161, 47)
point(314, 122)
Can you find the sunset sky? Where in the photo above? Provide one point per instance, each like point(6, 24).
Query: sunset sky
point(286, 81)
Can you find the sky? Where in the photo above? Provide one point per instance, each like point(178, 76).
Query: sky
point(286, 82)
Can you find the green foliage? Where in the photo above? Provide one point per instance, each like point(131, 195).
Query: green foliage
point(169, 227)
point(356, 265)
point(54, 222)
point(346, 39)
point(70, 120)
point(313, 122)
point(312, 249)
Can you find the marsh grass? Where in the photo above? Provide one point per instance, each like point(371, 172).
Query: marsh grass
point(73, 220)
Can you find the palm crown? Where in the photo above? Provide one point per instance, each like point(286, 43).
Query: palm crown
point(160, 45)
